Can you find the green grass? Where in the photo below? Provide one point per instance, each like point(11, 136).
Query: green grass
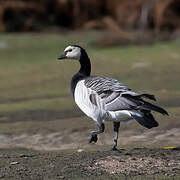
point(32, 79)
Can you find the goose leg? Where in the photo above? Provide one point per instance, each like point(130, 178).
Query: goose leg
point(94, 134)
point(116, 131)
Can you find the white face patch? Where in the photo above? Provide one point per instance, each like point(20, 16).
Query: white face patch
point(73, 52)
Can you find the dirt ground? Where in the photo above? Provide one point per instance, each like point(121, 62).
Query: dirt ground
point(47, 150)
point(54, 148)
point(136, 163)
point(73, 140)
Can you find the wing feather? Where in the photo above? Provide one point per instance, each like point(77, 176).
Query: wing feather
point(120, 103)
point(116, 96)
point(110, 91)
point(102, 84)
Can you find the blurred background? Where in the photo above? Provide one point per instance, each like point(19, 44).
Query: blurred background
point(136, 42)
point(115, 15)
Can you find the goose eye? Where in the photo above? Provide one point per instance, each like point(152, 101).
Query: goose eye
point(70, 50)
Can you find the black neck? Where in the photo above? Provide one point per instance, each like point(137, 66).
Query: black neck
point(85, 70)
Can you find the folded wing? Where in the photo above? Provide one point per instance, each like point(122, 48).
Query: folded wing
point(116, 96)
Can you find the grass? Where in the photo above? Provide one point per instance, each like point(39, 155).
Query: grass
point(32, 79)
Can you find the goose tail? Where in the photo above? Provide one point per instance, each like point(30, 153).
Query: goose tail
point(146, 119)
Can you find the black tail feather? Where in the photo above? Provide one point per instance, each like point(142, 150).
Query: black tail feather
point(144, 105)
point(147, 120)
point(154, 108)
point(140, 96)
point(149, 96)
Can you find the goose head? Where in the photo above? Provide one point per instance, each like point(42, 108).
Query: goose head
point(71, 52)
point(78, 53)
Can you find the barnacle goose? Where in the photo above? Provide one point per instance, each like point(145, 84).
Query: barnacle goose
point(103, 99)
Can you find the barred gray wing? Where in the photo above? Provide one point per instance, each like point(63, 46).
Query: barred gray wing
point(115, 95)
point(103, 84)
point(110, 91)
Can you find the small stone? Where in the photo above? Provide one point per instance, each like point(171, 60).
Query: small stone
point(80, 150)
point(61, 177)
point(25, 155)
point(14, 163)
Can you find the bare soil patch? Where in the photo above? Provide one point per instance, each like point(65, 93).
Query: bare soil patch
point(130, 164)
point(78, 138)
point(139, 165)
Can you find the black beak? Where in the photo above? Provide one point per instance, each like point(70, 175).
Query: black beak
point(62, 56)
